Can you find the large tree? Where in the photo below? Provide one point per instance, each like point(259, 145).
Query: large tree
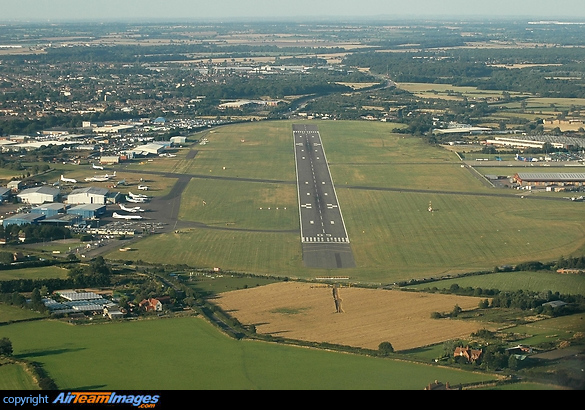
point(5, 347)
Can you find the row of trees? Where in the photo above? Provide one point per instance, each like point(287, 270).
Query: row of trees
point(34, 233)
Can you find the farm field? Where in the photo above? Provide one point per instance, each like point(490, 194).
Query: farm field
point(307, 312)
point(11, 313)
point(450, 92)
point(205, 359)
point(34, 273)
point(511, 281)
point(384, 184)
point(13, 376)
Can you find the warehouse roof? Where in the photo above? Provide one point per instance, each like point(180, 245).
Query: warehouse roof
point(552, 177)
point(90, 190)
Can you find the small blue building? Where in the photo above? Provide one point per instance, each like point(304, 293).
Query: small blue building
point(23, 219)
point(50, 209)
point(5, 193)
point(88, 211)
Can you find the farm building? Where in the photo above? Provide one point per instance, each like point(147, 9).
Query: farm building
point(547, 179)
point(50, 209)
point(88, 195)
point(23, 219)
point(39, 195)
point(88, 211)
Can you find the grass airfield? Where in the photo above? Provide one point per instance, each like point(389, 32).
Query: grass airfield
point(384, 183)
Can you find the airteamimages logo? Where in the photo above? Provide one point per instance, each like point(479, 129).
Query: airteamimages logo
point(142, 401)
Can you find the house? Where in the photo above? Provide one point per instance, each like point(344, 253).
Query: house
point(151, 305)
point(154, 304)
point(471, 355)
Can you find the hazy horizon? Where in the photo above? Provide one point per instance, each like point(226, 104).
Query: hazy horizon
point(232, 10)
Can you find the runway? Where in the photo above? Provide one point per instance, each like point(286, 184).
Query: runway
point(323, 235)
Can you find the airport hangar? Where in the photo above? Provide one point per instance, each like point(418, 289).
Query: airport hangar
point(559, 179)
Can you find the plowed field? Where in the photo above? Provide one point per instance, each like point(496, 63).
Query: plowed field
point(307, 312)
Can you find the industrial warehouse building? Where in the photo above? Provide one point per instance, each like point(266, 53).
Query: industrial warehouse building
point(39, 195)
point(550, 179)
point(88, 195)
point(88, 211)
point(50, 209)
point(61, 220)
point(5, 194)
point(23, 219)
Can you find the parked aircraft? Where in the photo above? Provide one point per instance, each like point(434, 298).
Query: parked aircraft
point(73, 181)
point(138, 196)
point(136, 200)
point(94, 166)
point(133, 209)
point(127, 217)
point(143, 187)
point(100, 178)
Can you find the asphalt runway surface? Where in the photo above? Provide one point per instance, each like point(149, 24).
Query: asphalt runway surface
point(323, 235)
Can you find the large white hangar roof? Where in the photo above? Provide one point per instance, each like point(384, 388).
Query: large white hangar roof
point(552, 177)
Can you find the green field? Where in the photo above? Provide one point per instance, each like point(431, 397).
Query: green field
point(512, 281)
point(12, 313)
point(13, 376)
point(384, 183)
point(191, 354)
point(34, 273)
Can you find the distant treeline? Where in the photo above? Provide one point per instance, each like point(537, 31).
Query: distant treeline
point(477, 68)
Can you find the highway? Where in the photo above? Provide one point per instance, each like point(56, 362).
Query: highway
point(323, 234)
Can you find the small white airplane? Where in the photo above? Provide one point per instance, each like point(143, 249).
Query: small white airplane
point(127, 217)
point(137, 196)
point(136, 200)
point(133, 209)
point(94, 166)
point(143, 187)
point(73, 181)
point(100, 178)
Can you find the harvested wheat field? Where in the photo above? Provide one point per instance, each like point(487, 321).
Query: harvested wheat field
point(307, 312)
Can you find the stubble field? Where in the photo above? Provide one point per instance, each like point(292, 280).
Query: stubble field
point(305, 311)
